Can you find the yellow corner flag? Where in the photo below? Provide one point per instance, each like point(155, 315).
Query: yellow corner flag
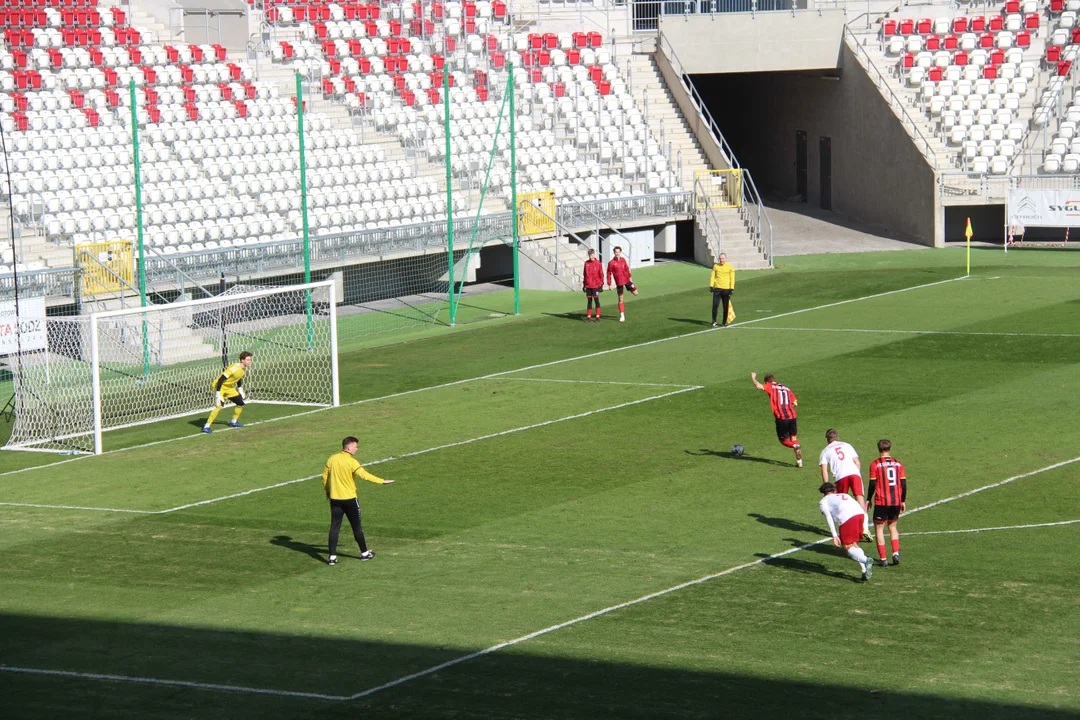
point(968, 233)
point(730, 312)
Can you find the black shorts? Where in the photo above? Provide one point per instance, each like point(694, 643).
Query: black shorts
point(628, 287)
point(592, 292)
point(786, 429)
point(886, 513)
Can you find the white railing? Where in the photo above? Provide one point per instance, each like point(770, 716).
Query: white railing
point(994, 188)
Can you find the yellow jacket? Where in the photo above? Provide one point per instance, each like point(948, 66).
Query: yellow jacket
point(723, 277)
point(338, 476)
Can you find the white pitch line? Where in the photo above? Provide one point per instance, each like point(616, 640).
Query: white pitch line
point(523, 638)
point(459, 443)
point(507, 372)
point(173, 683)
point(596, 382)
point(76, 507)
point(991, 529)
point(681, 586)
point(920, 332)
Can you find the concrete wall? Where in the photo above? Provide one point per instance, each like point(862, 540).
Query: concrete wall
point(230, 30)
point(878, 175)
point(745, 42)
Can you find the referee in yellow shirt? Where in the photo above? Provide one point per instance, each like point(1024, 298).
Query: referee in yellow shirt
point(339, 481)
point(722, 284)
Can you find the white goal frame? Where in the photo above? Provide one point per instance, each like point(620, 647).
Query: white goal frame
point(94, 321)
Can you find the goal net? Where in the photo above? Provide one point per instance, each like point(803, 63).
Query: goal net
point(121, 368)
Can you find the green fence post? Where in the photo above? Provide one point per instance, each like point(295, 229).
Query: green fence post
point(449, 195)
point(513, 191)
point(304, 208)
point(139, 226)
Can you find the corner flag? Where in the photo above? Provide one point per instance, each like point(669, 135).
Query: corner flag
point(968, 233)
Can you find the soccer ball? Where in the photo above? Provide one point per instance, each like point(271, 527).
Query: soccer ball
point(737, 451)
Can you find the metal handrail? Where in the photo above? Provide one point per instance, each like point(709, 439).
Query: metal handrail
point(895, 102)
point(599, 220)
point(759, 221)
point(181, 273)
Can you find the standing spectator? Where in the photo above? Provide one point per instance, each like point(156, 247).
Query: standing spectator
point(593, 284)
point(888, 482)
point(722, 284)
point(339, 482)
point(619, 270)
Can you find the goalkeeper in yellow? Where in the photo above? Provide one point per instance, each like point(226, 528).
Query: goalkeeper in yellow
point(229, 386)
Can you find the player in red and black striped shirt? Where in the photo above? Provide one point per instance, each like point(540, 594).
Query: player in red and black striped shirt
point(783, 403)
point(889, 482)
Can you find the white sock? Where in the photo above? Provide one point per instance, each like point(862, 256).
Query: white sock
point(856, 554)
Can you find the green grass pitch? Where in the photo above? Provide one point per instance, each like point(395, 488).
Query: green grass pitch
point(561, 485)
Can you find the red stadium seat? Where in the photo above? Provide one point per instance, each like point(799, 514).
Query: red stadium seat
point(1053, 54)
point(978, 24)
point(986, 40)
point(960, 24)
point(960, 58)
point(996, 23)
point(226, 91)
point(888, 29)
point(990, 72)
point(933, 74)
point(907, 27)
point(1031, 22)
point(1023, 38)
point(1012, 6)
point(951, 42)
point(1063, 67)
point(925, 26)
point(933, 43)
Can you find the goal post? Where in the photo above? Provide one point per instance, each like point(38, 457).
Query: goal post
point(92, 377)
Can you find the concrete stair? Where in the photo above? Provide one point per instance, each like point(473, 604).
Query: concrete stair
point(171, 339)
point(665, 120)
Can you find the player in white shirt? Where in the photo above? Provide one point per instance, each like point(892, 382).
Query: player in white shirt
point(846, 523)
point(841, 459)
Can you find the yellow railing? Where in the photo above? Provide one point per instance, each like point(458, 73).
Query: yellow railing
point(536, 212)
point(716, 189)
point(105, 267)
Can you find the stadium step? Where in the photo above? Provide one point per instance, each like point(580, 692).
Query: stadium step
point(664, 118)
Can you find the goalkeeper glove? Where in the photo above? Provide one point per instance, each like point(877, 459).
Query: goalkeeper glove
point(218, 400)
point(243, 395)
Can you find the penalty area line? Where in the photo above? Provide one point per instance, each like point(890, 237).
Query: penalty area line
point(171, 683)
point(681, 389)
point(872, 331)
point(1059, 523)
point(502, 373)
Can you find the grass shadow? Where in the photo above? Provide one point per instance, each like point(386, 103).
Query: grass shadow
point(807, 567)
point(319, 552)
point(692, 321)
point(785, 524)
point(727, 455)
